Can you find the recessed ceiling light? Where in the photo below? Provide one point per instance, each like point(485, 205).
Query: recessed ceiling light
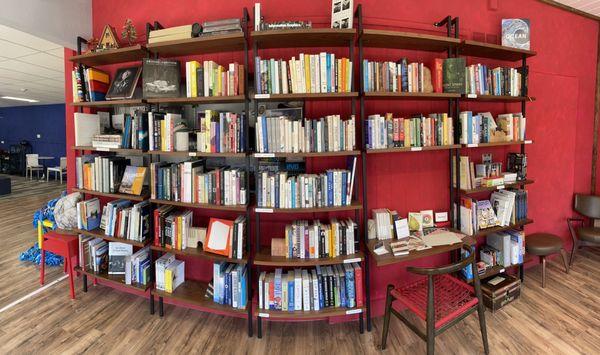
point(18, 99)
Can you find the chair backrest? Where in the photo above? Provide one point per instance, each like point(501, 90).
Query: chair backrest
point(63, 163)
point(32, 159)
point(446, 269)
point(587, 205)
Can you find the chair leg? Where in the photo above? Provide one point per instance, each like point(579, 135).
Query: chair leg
point(543, 271)
point(47, 176)
point(573, 250)
point(481, 314)
point(564, 257)
point(42, 266)
point(386, 319)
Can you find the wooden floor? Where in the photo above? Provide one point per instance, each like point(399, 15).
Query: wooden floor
point(564, 318)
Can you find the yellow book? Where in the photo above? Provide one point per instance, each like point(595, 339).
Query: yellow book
point(163, 143)
point(220, 80)
point(407, 132)
point(168, 280)
point(179, 234)
point(331, 242)
point(445, 129)
point(194, 65)
point(307, 73)
point(95, 74)
point(341, 75)
point(133, 180)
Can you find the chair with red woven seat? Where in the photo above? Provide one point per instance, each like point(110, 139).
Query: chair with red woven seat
point(439, 299)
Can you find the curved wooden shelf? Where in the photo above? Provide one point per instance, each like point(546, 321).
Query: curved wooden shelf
point(197, 154)
point(351, 207)
point(99, 233)
point(495, 144)
point(412, 149)
point(310, 96)
point(199, 253)
point(306, 37)
point(411, 95)
point(264, 258)
point(323, 313)
point(142, 197)
point(110, 103)
point(112, 56)
point(493, 51)
point(494, 188)
point(197, 100)
point(203, 44)
point(115, 150)
point(487, 231)
point(407, 40)
point(114, 279)
point(307, 155)
point(237, 208)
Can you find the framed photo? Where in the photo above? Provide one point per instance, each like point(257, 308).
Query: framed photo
point(124, 83)
point(342, 13)
point(161, 78)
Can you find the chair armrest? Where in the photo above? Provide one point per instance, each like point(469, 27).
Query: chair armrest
point(570, 224)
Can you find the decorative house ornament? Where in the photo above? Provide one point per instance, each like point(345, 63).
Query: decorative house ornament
point(108, 39)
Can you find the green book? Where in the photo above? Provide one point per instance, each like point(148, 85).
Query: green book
point(454, 75)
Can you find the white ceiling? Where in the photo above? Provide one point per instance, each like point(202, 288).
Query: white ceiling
point(589, 6)
point(30, 67)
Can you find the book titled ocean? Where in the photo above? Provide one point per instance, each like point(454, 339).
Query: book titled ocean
point(516, 33)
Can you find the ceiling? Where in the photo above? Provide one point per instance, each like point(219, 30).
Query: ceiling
point(30, 67)
point(590, 6)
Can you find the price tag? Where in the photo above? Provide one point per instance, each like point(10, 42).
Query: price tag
point(263, 210)
point(353, 260)
point(103, 149)
point(193, 154)
point(262, 96)
point(472, 96)
point(472, 145)
point(354, 311)
point(263, 315)
point(264, 155)
point(528, 141)
point(500, 187)
point(416, 149)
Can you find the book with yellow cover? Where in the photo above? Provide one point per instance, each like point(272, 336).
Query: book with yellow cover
point(133, 180)
point(98, 75)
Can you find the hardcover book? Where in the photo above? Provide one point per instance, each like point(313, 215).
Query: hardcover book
point(124, 84)
point(454, 75)
point(161, 78)
point(133, 180)
point(117, 253)
point(515, 33)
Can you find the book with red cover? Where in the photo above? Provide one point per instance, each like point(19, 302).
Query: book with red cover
point(358, 280)
point(219, 231)
point(437, 72)
point(98, 86)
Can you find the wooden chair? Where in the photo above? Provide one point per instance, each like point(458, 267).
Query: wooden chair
point(439, 299)
point(32, 164)
point(60, 170)
point(584, 234)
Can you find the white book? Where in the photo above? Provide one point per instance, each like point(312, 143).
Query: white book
point(86, 127)
point(323, 71)
point(261, 290)
point(284, 77)
point(315, 290)
point(257, 16)
point(305, 291)
point(298, 295)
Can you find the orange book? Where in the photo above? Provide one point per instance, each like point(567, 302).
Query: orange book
point(133, 180)
point(218, 237)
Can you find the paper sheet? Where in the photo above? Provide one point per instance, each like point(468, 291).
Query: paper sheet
point(441, 238)
point(219, 234)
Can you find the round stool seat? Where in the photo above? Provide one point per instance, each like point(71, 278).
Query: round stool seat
point(543, 244)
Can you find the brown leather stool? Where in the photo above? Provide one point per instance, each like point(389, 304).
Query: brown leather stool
point(542, 245)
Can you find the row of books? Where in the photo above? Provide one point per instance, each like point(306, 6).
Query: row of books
point(485, 174)
point(505, 207)
point(170, 273)
point(310, 73)
point(122, 219)
point(230, 284)
point(399, 76)
point(285, 134)
point(94, 81)
point(188, 182)
point(311, 240)
point(109, 174)
point(332, 188)
point(337, 286)
point(484, 128)
point(504, 248)
point(211, 79)
point(220, 132)
point(172, 228)
point(420, 131)
point(482, 80)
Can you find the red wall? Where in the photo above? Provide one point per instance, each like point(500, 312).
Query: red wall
point(560, 120)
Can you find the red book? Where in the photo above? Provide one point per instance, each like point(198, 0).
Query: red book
point(156, 228)
point(358, 284)
point(437, 75)
point(98, 86)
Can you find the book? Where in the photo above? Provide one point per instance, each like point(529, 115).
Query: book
point(483, 80)
point(124, 83)
point(211, 79)
point(454, 75)
point(133, 180)
point(86, 127)
point(174, 275)
point(88, 214)
point(117, 253)
point(160, 78)
point(399, 76)
point(386, 131)
point(230, 283)
point(219, 132)
point(218, 236)
point(516, 33)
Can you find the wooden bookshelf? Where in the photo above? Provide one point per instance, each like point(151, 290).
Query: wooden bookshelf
point(199, 253)
point(115, 150)
point(412, 149)
point(112, 56)
point(142, 197)
point(484, 232)
point(110, 103)
point(505, 98)
point(407, 40)
point(411, 95)
point(306, 37)
point(99, 233)
point(308, 96)
point(207, 206)
point(192, 292)
point(196, 154)
point(264, 258)
point(493, 51)
point(496, 144)
point(203, 44)
point(352, 207)
point(323, 313)
point(114, 279)
point(198, 100)
point(308, 154)
point(494, 188)
point(389, 258)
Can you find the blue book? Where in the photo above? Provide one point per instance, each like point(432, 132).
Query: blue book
point(470, 127)
point(350, 289)
point(293, 193)
point(243, 287)
point(257, 75)
point(291, 293)
point(344, 187)
point(277, 191)
point(366, 75)
point(343, 291)
point(265, 133)
point(329, 188)
point(328, 59)
point(320, 283)
point(97, 96)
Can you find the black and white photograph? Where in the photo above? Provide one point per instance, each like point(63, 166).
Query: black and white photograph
point(337, 7)
point(161, 78)
point(345, 5)
point(124, 83)
point(342, 13)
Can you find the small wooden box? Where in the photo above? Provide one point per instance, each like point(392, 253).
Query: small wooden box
point(496, 296)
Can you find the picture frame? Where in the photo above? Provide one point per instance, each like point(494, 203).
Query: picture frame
point(342, 14)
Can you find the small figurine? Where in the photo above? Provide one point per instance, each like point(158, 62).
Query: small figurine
point(108, 39)
point(129, 33)
point(92, 44)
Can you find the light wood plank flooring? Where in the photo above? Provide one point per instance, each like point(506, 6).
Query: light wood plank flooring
point(564, 318)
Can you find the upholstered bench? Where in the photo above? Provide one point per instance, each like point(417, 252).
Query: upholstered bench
point(5, 185)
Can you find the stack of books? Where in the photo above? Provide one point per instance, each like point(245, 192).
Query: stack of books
point(483, 128)
point(219, 132)
point(122, 219)
point(93, 254)
point(173, 33)
point(312, 240)
point(284, 134)
point(170, 273)
point(337, 286)
point(230, 284)
point(88, 214)
point(400, 76)
point(482, 80)
point(95, 83)
point(211, 79)
point(311, 73)
point(419, 131)
point(224, 26)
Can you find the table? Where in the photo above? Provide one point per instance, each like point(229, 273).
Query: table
point(41, 159)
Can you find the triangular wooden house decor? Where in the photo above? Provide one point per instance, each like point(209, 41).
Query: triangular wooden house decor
point(108, 39)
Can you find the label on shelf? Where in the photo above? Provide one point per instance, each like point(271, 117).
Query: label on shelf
point(263, 210)
point(193, 154)
point(528, 141)
point(472, 96)
point(500, 187)
point(416, 149)
point(354, 311)
point(353, 260)
point(264, 155)
point(262, 96)
point(102, 149)
point(263, 315)
point(502, 270)
point(472, 145)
